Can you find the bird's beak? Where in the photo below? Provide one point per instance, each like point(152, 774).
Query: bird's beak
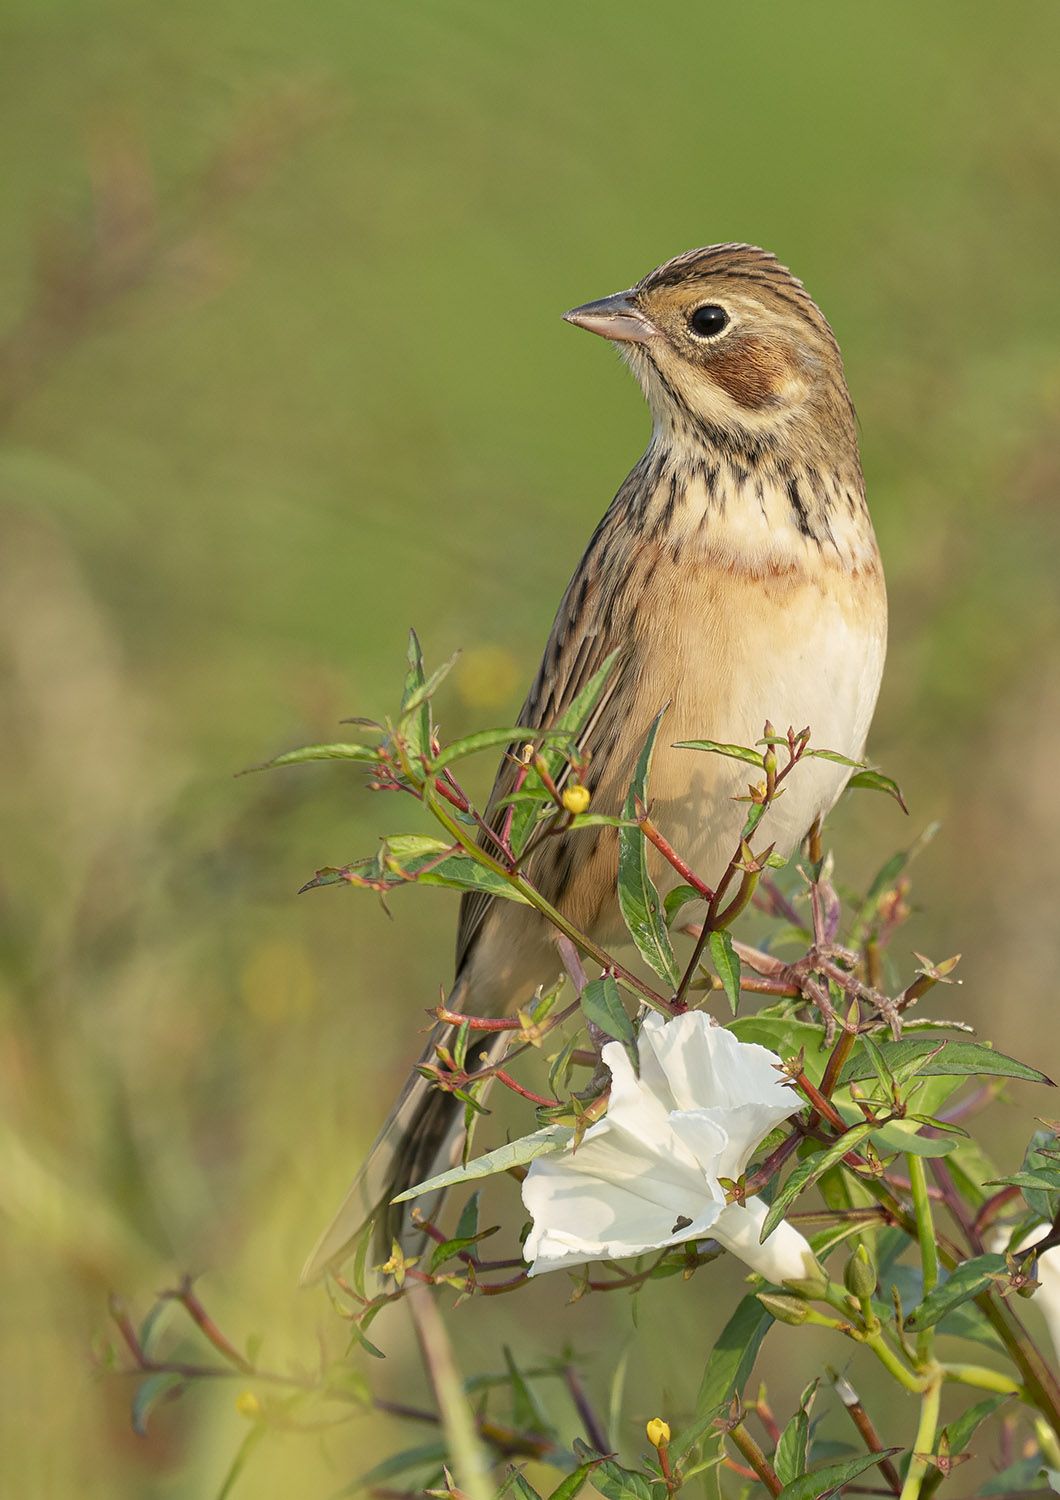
point(616, 317)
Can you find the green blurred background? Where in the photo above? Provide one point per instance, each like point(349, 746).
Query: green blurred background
point(282, 373)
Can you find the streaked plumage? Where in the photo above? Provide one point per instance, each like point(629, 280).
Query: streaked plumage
point(737, 573)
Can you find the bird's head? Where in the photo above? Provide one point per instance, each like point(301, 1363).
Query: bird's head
point(727, 345)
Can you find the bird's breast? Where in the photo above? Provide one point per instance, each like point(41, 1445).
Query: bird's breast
point(728, 646)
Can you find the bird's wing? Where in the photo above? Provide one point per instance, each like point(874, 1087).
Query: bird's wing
point(578, 647)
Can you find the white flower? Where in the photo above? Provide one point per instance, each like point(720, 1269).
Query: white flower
point(646, 1175)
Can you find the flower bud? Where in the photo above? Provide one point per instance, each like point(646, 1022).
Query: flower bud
point(248, 1405)
point(658, 1432)
point(859, 1277)
point(784, 1309)
point(576, 798)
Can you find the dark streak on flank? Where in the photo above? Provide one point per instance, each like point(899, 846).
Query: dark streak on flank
point(798, 506)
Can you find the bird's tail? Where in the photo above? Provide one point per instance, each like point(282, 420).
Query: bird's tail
point(423, 1136)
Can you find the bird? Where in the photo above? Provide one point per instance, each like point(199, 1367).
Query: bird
point(737, 577)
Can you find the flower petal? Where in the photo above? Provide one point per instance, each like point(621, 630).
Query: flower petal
point(785, 1255)
point(609, 1201)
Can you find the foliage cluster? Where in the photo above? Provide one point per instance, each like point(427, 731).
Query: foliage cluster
point(908, 1222)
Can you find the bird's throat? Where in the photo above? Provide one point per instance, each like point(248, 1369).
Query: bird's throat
point(766, 515)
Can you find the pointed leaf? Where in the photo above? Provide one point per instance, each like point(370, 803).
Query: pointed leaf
point(527, 1414)
point(963, 1058)
point(317, 752)
point(522, 1487)
point(642, 907)
point(808, 1171)
point(960, 1430)
point(874, 781)
point(602, 1005)
point(969, 1279)
point(829, 1479)
point(400, 1464)
point(715, 747)
point(834, 755)
point(616, 1483)
point(727, 966)
point(570, 1486)
point(422, 694)
point(487, 738)
point(790, 1458)
point(151, 1393)
point(417, 727)
point(514, 1154)
point(678, 897)
point(727, 1371)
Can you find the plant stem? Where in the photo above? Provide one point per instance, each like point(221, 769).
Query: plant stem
point(929, 1251)
point(756, 1458)
point(986, 1380)
point(924, 1444)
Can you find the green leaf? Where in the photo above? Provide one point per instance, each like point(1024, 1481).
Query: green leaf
point(727, 966)
point(727, 1370)
point(358, 1336)
point(808, 1171)
point(151, 1393)
point(573, 722)
point(790, 1458)
point(969, 1279)
point(1037, 1161)
point(431, 1455)
point(467, 1224)
point(616, 1483)
point(450, 1249)
point(834, 755)
point(1025, 1180)
point(317, 752)
point(960, 1431)
point(875, 781)
point(560, 1068)
point(416, 857)
point(527, 1415)
point(360, 1259)
point(422, 694)
point(522, 1487)
point(953, 1057)
point(416, 727)
point(514, 1154)
point(678, 897)
point(829, 1479)
point(642, 907)
point(965, 1321)
point(486, 738)
point(898, 1135)
point(596, 820)
point(734, 752)
point(569, 1487)
point(879, 1063)
point(602, 1005)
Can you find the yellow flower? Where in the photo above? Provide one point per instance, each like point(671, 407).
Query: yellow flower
point(658, 1432)
point(576, 798)
point(248, 1405)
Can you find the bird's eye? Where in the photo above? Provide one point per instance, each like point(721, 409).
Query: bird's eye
point(708, 321)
